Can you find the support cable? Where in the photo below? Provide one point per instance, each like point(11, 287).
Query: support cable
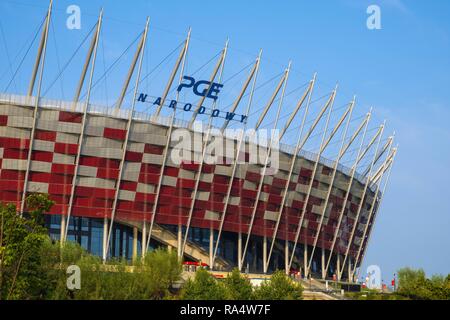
point(57, 58)
point(113, 64)
point(5, 44)
point(69, 61)
point(25, 55)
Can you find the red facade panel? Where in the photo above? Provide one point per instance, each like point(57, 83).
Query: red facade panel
point(116, 134)
point(66, 148)
point(70, 117)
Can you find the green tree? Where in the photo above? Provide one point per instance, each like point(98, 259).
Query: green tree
point(238, 286)
point(415, 285)
point(279, 287)
point(22, 275)
point(104, 282)
point(204, 287)
point(150, 278)
point(32, 266)
point(160, 269)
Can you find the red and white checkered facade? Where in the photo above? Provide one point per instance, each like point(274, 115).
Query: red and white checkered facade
point(52, 166)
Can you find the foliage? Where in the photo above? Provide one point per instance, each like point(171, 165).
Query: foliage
point(374, 295)
point(163, 269)
point(414, 284)
point(34, 267)
point(238, 286)
point(204, 287)
point(280, 287)
point(147, 279)
point(22, 276)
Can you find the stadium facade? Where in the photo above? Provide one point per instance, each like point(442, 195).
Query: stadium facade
point(118, 192)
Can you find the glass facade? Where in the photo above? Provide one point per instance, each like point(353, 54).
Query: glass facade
point(88, 232)
point(253, 262)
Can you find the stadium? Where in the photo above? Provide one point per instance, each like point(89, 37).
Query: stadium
point(119, 192)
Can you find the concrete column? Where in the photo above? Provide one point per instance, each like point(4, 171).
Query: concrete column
point(240, 250)
point(135, 239)
point(338, 266)
point(63, 228)
point(211, 247)
point(179, 240)
point(350, 278)
point(323, 264)
point(286, 256)
point(265, 254)
point(105, 237)
point(305, 259)
point(144, 239)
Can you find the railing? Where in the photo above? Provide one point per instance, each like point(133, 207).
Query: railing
point(161, 120)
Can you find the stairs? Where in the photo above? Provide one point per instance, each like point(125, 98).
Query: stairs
point(169, 239)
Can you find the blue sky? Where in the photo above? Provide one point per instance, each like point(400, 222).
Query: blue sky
point(402, 70)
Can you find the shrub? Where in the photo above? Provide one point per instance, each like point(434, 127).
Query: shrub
point(414, 284)
point(117, 280)
point(238, 286)
point(279, 287)
point(22, 275)
point(204, 287)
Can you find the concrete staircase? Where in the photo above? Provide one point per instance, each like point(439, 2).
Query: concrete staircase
point(192, 250)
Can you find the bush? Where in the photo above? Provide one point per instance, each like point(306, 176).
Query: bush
point(22, 275)
point(117, 280)
point(162, 269)
point(204, 287)
point(414, 284)
point(238, 286)
point(279, 287)
point(34, 267)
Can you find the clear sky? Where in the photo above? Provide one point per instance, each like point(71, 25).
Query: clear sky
point(402, 70)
